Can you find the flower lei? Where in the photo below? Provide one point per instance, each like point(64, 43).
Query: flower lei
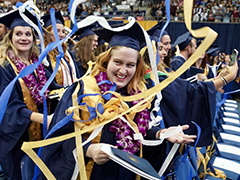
point(124, 134)
point(33, 85)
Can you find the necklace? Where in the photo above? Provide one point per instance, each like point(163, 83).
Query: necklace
point(124, 134)
point(33, 85)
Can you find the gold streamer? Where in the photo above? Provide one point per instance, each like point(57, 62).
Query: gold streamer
point(206, 32)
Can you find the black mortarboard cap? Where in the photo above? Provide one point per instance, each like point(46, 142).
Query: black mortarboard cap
point(155, 31)
point(13, 19)
point(130, 37)
point(47, 19)
point(213, 50)
point(100, 41)
point(83, 32)
point(183, 41)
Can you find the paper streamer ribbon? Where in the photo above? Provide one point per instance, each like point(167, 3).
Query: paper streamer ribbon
point(162, 137)
point(206, 32)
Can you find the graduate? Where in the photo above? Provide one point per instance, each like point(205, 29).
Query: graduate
point(163, 47)
point(23, 116)
point(212, 53)
point(102, 47)
point(123, 66)
point(154, 32)
point(69, 69)
point(84, 48)
point(201, 67)
point(187, 46)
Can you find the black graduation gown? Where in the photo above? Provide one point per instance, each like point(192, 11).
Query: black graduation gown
point(184, 102)
point(14, 126)
point(177, 62)
point(59, 158)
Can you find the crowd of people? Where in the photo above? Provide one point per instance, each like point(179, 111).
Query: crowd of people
point(203, 11)
point(79, 100)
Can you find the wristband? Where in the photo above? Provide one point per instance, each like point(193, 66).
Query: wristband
point(224, 80)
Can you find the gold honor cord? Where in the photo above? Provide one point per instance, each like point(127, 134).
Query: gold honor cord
point(206, 32)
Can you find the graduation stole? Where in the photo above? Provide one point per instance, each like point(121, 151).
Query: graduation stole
point(34, 130)
point(64, 77)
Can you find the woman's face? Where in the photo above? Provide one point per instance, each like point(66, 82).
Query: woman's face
point(162, 52)
point(166, 41)
point(94, 42)
point(22, 38)
point(122, 66)
point(61, 32)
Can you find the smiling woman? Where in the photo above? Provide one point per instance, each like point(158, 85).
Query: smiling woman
point(22, 39)
point(120, 69)
point(23, 116)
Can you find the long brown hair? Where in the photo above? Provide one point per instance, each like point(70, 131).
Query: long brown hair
point(48, 39)
point(6, 45)
point(102, 62)
point(84, 51)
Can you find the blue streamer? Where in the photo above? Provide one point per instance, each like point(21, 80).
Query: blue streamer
point(92, 110)
point(232, 91)
point(167, 3)
point(185, 155)
point(59, 125)
point(61, 54)
point(162, 125)
point(113, 88)
point(70, 9)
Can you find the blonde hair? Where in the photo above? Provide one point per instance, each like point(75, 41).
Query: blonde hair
point(48, 39)
point(6, 45)
point(84, 51)
point(102, 62)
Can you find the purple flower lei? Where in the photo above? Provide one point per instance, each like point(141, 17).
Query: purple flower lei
point(124, 134)
point(30, 81)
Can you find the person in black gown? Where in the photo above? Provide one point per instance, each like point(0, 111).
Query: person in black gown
point(23, 116)
point(123, 66)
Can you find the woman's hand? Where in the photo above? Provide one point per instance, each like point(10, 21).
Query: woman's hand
point(225, 76)
point(94, 152)
point(179, 137)
point(232, 70)
point(223, 72)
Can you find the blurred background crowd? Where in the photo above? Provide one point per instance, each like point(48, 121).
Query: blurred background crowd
point(203, 11)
